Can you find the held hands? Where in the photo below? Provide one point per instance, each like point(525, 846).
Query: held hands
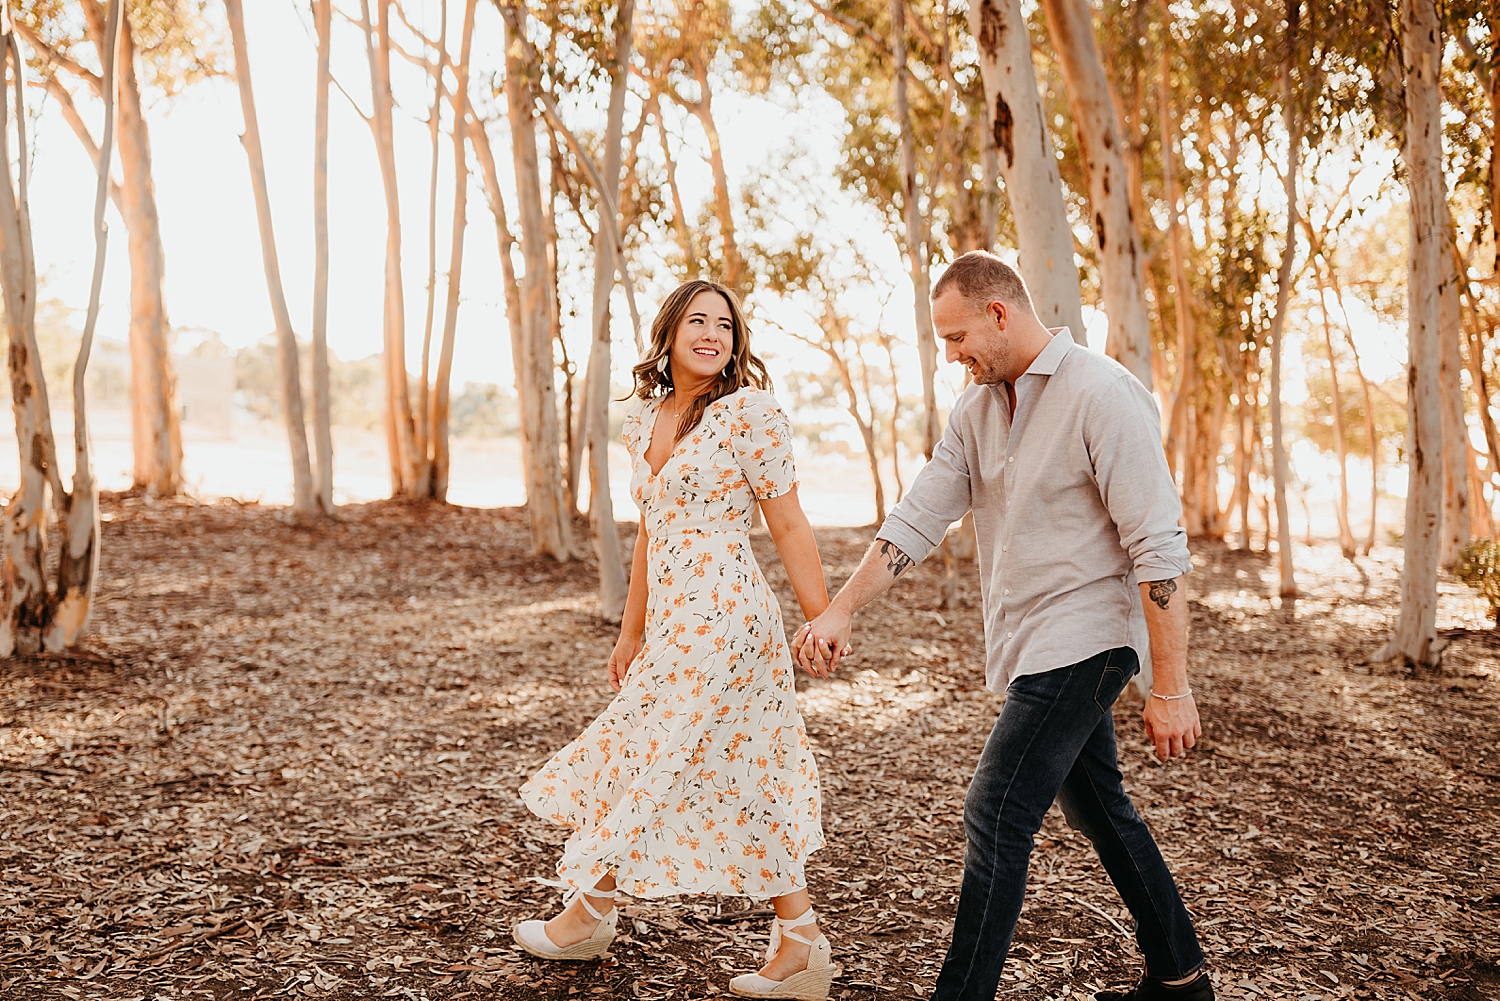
point(624, 654)
point(820, 644)
point(1172, 725)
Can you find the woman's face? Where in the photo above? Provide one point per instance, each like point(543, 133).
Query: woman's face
point(704, 342)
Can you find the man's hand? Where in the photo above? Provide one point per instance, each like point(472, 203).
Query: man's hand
point(1172, 725)
point(822, 643)
point(624, 654)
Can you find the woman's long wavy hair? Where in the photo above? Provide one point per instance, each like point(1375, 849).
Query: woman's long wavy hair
point(744, 368)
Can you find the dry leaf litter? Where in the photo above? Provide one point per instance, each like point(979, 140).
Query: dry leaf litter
point(284, 765)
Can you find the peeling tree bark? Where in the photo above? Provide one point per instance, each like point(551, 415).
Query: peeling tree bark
point(1028, 163)
point(1415, 638)
point(29, 607)
point(1071, 25)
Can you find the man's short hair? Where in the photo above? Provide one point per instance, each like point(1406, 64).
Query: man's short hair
point(982, 278)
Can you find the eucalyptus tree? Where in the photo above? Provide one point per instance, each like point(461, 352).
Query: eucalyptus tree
point(175, 45)
point(1070, 26)
point(551, 522)
point(1415, 636)
point(304, 503)
point(322, 405)
point(38, 613)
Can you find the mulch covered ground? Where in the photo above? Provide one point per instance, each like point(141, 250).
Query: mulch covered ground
point(284, 764)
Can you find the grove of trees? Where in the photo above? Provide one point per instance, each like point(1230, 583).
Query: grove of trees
point(1219, 182)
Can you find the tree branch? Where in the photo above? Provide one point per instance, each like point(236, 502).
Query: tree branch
point(59, 60)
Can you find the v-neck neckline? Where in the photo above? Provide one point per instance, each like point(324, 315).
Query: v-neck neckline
point(651, 437)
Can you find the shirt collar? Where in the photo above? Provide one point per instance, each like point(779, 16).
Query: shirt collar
point(1052, 355)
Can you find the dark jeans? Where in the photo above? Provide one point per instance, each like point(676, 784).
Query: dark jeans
point(1055, 739)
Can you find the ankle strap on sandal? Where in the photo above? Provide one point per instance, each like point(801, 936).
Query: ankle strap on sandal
point(785, 926)
point(582, 896)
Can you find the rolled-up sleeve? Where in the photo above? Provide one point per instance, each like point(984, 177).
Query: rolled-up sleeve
point(939, 497)
point(1123, 435)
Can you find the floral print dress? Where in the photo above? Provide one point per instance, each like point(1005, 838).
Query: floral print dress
point(698, 777)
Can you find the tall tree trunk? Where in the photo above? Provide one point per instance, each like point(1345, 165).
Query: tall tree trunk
point(399, 430)
point(916, 248)
point(442, 391)
point(1340, 442)
point(303, 503)
point(551, 524)
point(1028, 163)
point(28, 606)
point(78, 560)
point(1454, 532)
point(612, 584)
point(156, 431)
point(1415, 638)
point(321, 401)
point(1292, 122)
point(424, 408)
point(1071, 25)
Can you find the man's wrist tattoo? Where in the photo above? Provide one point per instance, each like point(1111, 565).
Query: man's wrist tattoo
point(896, 561)
point(1161, 591)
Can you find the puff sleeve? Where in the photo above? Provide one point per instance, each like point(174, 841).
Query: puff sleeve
point(632, 433)
point(762, 440)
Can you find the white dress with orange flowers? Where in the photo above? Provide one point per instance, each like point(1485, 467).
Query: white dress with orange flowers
point(698, 777)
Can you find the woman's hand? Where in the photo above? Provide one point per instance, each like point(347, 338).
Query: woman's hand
point(627, 648)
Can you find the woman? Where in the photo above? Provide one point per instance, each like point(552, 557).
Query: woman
point(698, 777)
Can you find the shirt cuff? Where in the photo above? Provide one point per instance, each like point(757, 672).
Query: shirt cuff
point(1157, 567)
point(906, 538)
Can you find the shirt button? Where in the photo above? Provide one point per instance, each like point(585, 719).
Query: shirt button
point(1011, 459)
point(1008, 635)
point(1007, 590)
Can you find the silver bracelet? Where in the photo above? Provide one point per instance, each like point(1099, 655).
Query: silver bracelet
point(1171, 698)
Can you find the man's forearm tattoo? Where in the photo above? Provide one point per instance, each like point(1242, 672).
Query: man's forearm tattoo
point(896, 561)
point(1161, 591)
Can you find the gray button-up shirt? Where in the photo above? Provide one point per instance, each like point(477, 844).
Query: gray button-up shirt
point(1073, 506)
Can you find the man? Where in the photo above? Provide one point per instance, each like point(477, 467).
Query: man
point(1057, 451)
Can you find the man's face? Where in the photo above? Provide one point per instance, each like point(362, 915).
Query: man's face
point(975, 338)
